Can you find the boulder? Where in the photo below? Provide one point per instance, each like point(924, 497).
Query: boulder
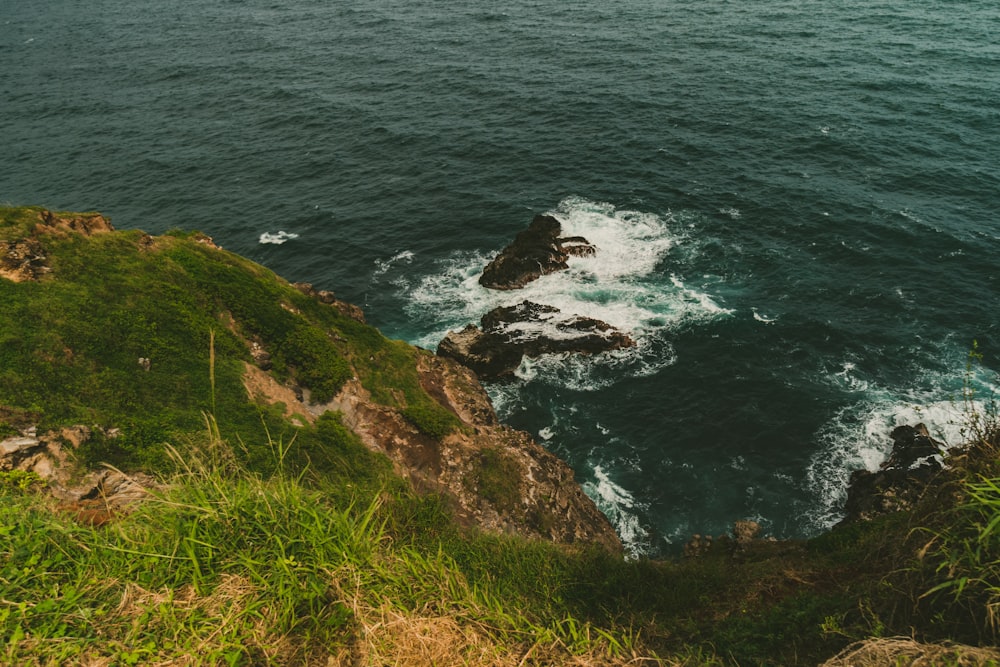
point(900, 480)
point(535, 252)
point(530, 329)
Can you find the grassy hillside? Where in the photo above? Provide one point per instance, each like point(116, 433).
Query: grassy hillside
point(275, 541)
point(70, 345)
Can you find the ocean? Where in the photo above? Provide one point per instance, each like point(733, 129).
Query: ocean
point(795, 205)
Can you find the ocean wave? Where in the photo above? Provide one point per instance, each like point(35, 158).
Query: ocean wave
point(622, 509)
point(276, 238)
point(857, 438)
point(623, 284)
point(382, 266)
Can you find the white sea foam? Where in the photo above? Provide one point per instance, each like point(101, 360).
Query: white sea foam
point(622, 510)
point(383, 266)
point(847, 377)
point(763, 318)
point(622, 284)
point(858, 438)
point(276, 238)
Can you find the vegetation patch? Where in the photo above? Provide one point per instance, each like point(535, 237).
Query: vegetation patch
point(498, 479)
point(286, 543)
point(141, 338)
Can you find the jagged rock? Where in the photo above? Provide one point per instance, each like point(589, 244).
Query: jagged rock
point(545, 500)
point(698, 545)
point(25, 259)
point(535, 252)
point(745, 532)
point(86, 224)
point(527, 329)
point(346, 309)
point(96, 497)
point(913, 462)
point(22, 260)
point(483, 352)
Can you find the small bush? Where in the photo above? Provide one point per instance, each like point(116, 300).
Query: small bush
point(19, 481)
point(498, 479)
point(431, 419)
point(318, 364)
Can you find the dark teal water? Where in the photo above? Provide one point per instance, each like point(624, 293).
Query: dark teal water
point(796, 203)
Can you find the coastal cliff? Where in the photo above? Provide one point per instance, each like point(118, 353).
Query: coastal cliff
point(296, 351)
point(201, 463)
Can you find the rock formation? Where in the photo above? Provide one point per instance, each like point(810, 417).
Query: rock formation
point(527, 329)
point(93, 498)
point(26, 258)
point(509, 333)
point(912, 464)
point(540, 497)
point(491, 476)
point(535, 252)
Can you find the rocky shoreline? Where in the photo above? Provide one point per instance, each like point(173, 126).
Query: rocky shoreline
point(507, 334)
point(534, 492)
point(544, 500)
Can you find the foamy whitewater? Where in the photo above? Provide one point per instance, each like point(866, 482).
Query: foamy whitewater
point(794, 205)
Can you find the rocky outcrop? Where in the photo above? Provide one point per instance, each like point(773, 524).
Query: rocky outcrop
point(535, 252)
point(26, 258)
point(527, 329)
point(86, 224)
point(495, 477)
point(914, 461)
point(23, 259)
point(93, 498)
point(343, 307)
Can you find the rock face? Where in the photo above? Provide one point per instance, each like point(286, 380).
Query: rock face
point(497, 478)
point(535, 252)
point(25, 259)
point(912, 464)
point(527, 329)
point(93, 498)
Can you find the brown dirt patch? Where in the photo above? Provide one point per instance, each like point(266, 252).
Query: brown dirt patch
point(262, 387)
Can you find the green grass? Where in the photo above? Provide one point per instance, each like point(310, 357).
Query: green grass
point(282, 543)
point(70, 346)
point(237, 568)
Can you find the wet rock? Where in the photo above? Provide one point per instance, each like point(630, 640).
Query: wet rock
point(901, 479)
point(483, 352)
point(535, 252)
point(527, 329)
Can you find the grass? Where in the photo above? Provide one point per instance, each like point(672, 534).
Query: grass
point(295, 544)
point(229, 567)
point(70, 346)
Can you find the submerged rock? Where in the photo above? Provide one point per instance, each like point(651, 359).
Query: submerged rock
point(527, 329)
point(535, 252)
point(913, 462)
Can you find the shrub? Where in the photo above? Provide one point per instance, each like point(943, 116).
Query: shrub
point(431, 419)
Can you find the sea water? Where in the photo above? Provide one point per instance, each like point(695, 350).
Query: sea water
point(795, 204)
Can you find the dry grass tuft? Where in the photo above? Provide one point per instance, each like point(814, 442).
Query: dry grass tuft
point(902, 651)
point(389, 637)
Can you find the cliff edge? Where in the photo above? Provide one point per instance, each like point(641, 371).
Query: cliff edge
point(132, 339)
